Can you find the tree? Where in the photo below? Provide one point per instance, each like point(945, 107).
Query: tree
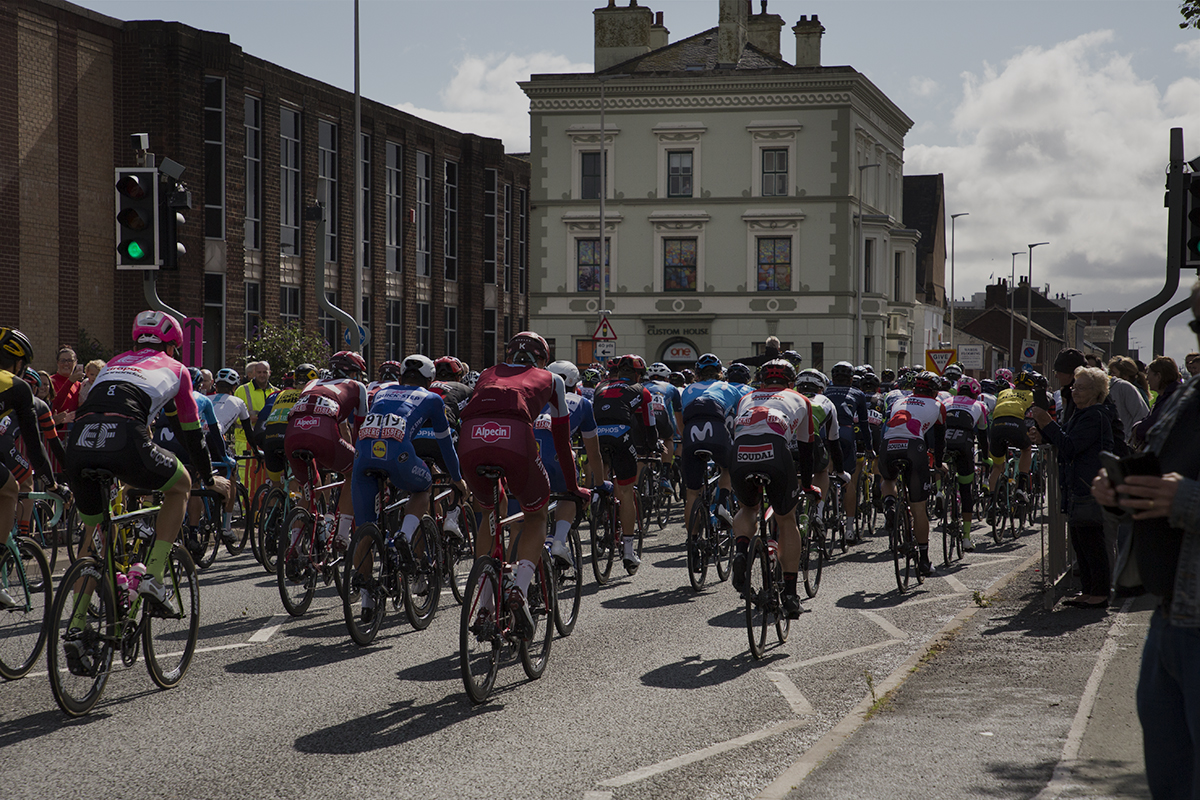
point(90, 348)
point(1190, 9)
point(286, 346)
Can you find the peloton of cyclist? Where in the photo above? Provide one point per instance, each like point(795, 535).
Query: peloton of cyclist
point(709, 405)
point(1008, 429)
point(852, 418)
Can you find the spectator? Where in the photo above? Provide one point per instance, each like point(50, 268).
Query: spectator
point(1166, 551)
point(771, 351)
point(254, 394)
point(1093, 360)
point(1191, 363)
point(1127, 396)
point(1079, 444)
point(89, 374)
point(66, 391)
point(1163, 377)
point(206, 381)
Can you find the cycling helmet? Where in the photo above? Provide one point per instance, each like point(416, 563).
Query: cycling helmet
point(306, 373)
point(953, 372)
point(471, 379)
point(592, 376)
point(737, 373)
point(811, 381)
point(422, 365)
point(792, 357)
point(529, 348)
point(568, 371)
point(842, 372)
point(630, 362)
point(688, 376)
point(1040, 381)
point(228, 377)
point(347, 362)
point(391, 371)
point(906, 380)
point(870, 383)
point(777, 372)
point(1026, 380)
point(856, 381)
point(449, 368)
point(17, 344)
point(658, 371)
point(677, 380)
point(196, 376)
point(708, 360)
point(925, 384)
point(988, 386)
point(157, 327)
point(889, 375)
point(968, 387)
point(32, 377)
point(1004, 374)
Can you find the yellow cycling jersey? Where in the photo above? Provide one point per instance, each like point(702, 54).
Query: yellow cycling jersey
point(1013, 403)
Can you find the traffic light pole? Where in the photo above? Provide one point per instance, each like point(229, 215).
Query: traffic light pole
point(150, 287)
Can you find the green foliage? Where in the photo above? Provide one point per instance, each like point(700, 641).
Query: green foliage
point(89, 348)
point(1190, 9)
point(285, 346)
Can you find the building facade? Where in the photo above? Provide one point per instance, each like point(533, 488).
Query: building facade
point(733, 187)
point(446, 214)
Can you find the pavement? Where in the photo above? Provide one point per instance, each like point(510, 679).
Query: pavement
point(1010, 700)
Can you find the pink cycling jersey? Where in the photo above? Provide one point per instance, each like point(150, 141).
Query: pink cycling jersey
point(139, 384)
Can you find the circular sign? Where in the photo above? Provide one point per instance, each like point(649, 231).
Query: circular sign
point(679, 351)
point(1028, 353)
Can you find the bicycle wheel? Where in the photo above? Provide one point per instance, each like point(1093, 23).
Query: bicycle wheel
point(77, 682)
point(721, 549)
point(76, 531)
point(25, 574)
point(911, 569)
point(458, 553)
point(366, 571)
point(423, 588)
point(272, 515)
point(757, 594)
point(568, 581)
point(812, 560)
point(479, 641)
point(208, 537)
point(645, 499)
point(535, 652)
point(241, 520)
point(699, 543)
point(169, 634)
point(897, 545)
point(256, 504)
point(293, 568)
point(604, 543)
point(42, 535)
point(783, 625)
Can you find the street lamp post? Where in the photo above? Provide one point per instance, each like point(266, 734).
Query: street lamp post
point(1029, 293)
point(603, 242)
point(1012, 299)
point(952, 218)
point(861, 242)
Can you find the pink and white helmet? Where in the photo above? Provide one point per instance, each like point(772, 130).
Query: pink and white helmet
point(1004, 374)
point(157, 327)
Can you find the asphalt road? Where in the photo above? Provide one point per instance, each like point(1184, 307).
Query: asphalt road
point(655, 695)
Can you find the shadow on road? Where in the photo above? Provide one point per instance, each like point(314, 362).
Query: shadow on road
point(652, 598)
point(693, 672)
point(303, 656)
point(401, 722)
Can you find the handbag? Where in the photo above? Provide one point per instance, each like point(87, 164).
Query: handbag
point(1083, 509)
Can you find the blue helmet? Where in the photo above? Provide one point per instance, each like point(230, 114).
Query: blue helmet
point(708, 360)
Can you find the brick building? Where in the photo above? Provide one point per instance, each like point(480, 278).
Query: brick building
point(445, 230)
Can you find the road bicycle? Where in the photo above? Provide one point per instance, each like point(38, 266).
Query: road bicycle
point(207, 536)
point(306, 545)
point(708, 541)
point(608, 539)
point(46, 522)
point(272, 506)
point(763, 594)
point(814, 547)
point(25, 573)
point(901, 538)
point(865, 510)
point(117, 619)
point(654, 502)
point(488, 629)
point(834, 516)
point(568, 578)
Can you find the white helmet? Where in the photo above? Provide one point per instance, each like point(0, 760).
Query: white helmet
point(568, 371)
point(658, 371)
point(422, 365)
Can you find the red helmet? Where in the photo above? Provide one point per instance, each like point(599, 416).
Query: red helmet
point(528, 346)
point(925, 384)
point(449, 368)
point(347, 362)
point(630, 361)
point(390, 371)
point(777, 372)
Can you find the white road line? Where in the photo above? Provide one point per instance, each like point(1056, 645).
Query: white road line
point(799, 703)
point(808, 662)
point(597, 795)
point(1060, 779)
point(986, 560)
point(888, 627)
point(267, 631)
point(955, 584)
point(933, 598)
point(708, 752)
point(214, 648)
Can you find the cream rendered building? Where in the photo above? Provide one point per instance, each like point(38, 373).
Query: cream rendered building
point(732, 197)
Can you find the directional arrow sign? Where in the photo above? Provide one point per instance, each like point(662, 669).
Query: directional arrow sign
point(193, 341)
point(362, 337)
point(604, 331)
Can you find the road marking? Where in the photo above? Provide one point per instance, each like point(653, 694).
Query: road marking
point(699, 755)
point(955, 584)
point(888, 627)
point(933, 598)
point(214, 648)
point(799, 703)
point(267, 631)
point(791, 665)
point(597, 795)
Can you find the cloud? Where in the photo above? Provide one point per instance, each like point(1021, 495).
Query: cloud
point(1069, 145)
point(923, 87)
point(1190, 51)
point(483, 96)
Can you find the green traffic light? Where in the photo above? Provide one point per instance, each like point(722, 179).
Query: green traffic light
point(135, 251)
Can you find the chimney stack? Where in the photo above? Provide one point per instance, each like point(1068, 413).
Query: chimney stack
point(659, 35)
point(621, 33)
point(731, 34)
point(808, 41)
point(762, 31)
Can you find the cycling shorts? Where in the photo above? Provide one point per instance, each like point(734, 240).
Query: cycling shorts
point(508, 444)
point(398, 459)
point(618, 449)
point(430, 452)
point(912, 456)
point(767, 455)
point(704, 433)
point(274, 454)
point(666, 431)
point(122, 446)
point(960, 449)
point(820, 456)
point(321, 437)
point(849, 449)
point(1007, 432)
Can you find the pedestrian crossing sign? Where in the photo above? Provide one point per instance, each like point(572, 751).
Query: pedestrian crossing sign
point(937, 360)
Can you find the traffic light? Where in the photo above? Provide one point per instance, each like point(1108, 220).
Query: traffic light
point(137, 218)
point(171, 219)
point(1191, 223)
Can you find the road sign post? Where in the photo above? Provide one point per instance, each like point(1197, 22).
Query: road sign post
point(971, 356)
point(1029, 351)
point(605, 349)
point(363, 335)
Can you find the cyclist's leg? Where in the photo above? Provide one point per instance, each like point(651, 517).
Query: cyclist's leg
point(850, 459)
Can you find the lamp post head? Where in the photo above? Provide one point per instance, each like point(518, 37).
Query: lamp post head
point(960, 214)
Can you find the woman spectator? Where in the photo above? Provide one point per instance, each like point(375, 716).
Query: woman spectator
point(1129, 397)
point(89, 375)
point(1163, 377)
point(66, 391)
point(1079, 444)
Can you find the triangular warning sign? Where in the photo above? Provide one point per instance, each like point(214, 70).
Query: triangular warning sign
point(604, 331)
point(937, 360)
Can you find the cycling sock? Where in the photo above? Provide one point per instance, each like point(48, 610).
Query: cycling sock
point(923, 551)
point(23, 527)
point(345, 523)
point(741, 545)
point(561, 528)
point(820, 508)
point(409, 526)
point(523, 575)
point(789, 582)
point(156, 564)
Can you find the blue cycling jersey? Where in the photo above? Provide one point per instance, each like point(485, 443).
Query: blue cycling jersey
point(398, 412)
point(711, 394)
point(583, 421)
point(665, 400)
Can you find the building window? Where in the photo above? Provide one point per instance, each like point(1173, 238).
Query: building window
point(508, 333)
point(253, 308)
point(289, 304)
point(510, 236)
point(394, 330)
point(451, 328)
point(329, 325)
point(868, 263)
point(774, 264)
point(253, 225)
point(898, 279)
point(679, 173)
point(589, 175)
point(587, 260)
point(774, 173)
point(489, 226)
point(424, 343)
point(489, 337)
point(214, 157)
point(289, 182)
point(424, 214)
point(365, 183)
point(818, 356)
point(679, 265)
point(523, 251)
point(214, 320)
point(395, 207)
point(327, 183)
point(450, 248)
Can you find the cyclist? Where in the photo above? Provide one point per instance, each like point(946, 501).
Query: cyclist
point(385, 442)
point(771, 423)
point(324, 421)
point(16, 405)
point(827, 448)
point(112, 432)
point(966, 421)
point(667, 402)
point(888, 380)
point(709, 405)
point(588, 381)
point(498, 431)
point(914, 420)
point(229, 407)
point(583, 423)
point(677, 381)
point(1008, 430)
point(389, 373)
point(272, 427)
point(852, 417)
point(625, 423)
point(738, 374)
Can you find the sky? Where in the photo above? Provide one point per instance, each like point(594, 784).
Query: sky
point(1049, 119)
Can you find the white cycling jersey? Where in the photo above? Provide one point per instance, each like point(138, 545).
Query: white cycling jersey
point(777, 412)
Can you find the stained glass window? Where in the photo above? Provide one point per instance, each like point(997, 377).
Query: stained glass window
point(587, 261)
point(679, 265)
point(774, 265)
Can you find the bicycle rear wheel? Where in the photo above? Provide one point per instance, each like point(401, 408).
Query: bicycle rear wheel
point(271, 520)
point(479, 640)
point(699, 542)
point(812, 560)
point(568, 581)
point(758, 600)
point(366, 571)
point(44, 537)
point(169, 633)
point(423, 589)
point(293, 568)
point(604, 543)
point(77, 682)
point(911, 569)
point(208, 538)
point(458, 553)
point(722, 550)
point(783, 625)
point(241, 521)
point(645, 499)
point(535, 653)
point(26, 576)
point(256, 504)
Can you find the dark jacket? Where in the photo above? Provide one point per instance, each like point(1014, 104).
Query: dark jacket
point(1139, 430)
point(757, 361)
point(1079, 444)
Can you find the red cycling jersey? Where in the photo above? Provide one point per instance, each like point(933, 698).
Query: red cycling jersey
point(313, 423)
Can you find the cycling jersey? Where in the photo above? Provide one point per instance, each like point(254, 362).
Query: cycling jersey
point(851, 406)
point(17, 406)
point(228, 409)
point(140, 383)
point(666, 401)
point(625, 423)
point(313, 423)
point(209, 427)
point(582, 421)
point(1013, 403)
point(966, 418)
point(779, 412)
point(454, 397)
point(913, 418)
point(708, 411)
point(712, 398)
point(770, 423)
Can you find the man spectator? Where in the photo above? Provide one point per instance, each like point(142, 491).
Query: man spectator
point(1093, 360)
point(1191, 363)
point(254, 394)
point(771, 352)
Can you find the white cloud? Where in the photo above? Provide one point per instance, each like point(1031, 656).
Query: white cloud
point(483, 96)
point(923, 87)
point(1190, 51)
point(1066, 145)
